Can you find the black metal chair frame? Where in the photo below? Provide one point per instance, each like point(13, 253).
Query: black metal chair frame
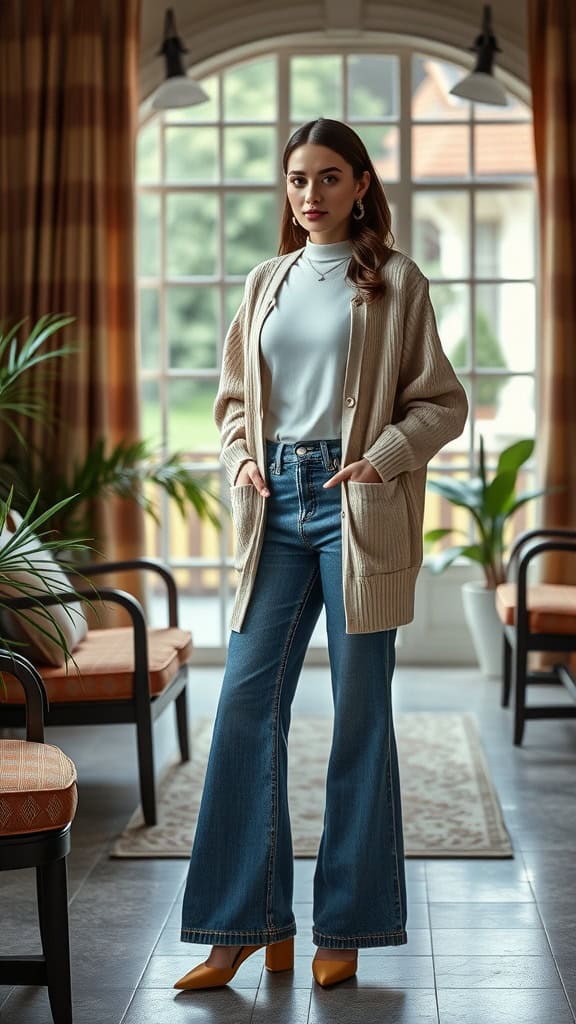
point(519, 641)
point(142, 708)
point(47, 852)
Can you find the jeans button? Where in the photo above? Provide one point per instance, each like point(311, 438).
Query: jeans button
point(301, 450)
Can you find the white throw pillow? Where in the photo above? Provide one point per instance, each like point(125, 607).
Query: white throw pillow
point(51, 580)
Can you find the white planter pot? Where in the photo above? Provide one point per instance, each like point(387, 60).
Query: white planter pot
point(484, 625)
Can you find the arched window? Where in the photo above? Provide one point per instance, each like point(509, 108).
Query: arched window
point(460, 181)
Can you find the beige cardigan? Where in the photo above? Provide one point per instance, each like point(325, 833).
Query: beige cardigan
point(401, 403)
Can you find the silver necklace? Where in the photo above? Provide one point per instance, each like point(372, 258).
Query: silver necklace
point(324, 275)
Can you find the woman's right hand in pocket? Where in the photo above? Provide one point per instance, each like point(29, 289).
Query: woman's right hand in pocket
point(250, 474)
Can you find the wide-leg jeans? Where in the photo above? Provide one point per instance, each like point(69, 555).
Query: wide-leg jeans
point(240, 880)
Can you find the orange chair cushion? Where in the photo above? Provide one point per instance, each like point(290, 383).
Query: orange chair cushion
point(105, 666)
point(37, 788)
point(551, 607)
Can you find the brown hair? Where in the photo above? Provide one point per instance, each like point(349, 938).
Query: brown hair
point(371, 237)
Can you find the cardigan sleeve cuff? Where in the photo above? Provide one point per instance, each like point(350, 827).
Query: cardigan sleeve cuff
point(390, 454)
point(233, 457)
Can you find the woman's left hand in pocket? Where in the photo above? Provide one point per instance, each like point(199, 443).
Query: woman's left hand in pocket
point(361, 472)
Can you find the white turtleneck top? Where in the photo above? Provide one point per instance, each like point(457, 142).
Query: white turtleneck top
point(304, 343)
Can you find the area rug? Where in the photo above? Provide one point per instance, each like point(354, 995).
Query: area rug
point(450, 806)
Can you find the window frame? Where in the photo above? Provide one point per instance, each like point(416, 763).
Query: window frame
point(400, 193)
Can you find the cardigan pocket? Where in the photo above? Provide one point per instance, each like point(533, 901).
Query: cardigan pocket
point(379, 527)
point(243, 505)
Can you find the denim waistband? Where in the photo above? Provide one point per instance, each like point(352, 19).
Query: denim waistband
point(281, 453)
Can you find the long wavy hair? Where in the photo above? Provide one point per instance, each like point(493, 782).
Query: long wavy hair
point(372, 239)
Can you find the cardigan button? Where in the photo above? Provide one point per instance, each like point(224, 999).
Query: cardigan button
point(350, 401)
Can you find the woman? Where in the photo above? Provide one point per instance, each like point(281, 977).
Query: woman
point(334, 395)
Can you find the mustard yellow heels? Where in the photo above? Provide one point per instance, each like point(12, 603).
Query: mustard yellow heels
point(331, 972)
point(279, 957)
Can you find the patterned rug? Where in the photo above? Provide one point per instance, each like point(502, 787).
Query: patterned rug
point(450, 806)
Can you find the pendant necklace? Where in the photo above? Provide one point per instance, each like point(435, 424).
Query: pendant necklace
point(326, 272)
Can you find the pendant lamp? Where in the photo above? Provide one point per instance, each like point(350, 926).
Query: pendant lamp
point(481, 86)
point(177, 90)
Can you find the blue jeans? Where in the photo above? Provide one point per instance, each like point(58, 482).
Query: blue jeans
point(240, 880)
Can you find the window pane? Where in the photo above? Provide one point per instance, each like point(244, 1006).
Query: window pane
point(441, 233)
point(149, 315)
point(451, 306)
point(504, 233)
point(440, 151)
point(191, 154)
point(232, 301)
point(503, 149)
point(432, 80)
point(199, 604)
point(148, 153)
point(191, 234)
point(250, 154)
point(373, 86)
point(191, 428)
point(148, 234)
point(251, 230)
point(151, 411)
point(507, 415)
point(505, 326)
point(192, 537)
point(457, 452)
point(315, 87)
point(514, 109)
point(250, 91)
point(192, 327)
point(207, 111)
point(382, 143)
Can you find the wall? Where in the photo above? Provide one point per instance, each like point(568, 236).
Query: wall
point(211, 27)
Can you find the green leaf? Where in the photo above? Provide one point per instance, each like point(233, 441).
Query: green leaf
point(445, 558)
point(515, 456)
point(482, 464)
point(498, 493)
point(475, 553)
point(457, 492)
point(433, 535)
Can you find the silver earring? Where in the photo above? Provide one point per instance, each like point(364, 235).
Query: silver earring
point(358, 209)
point(295, 222)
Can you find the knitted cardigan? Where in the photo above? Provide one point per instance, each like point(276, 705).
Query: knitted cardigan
point(401, 403)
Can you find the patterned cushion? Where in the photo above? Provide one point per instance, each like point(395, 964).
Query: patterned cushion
point(105, 666)
point(551, 607)
point(37, 787)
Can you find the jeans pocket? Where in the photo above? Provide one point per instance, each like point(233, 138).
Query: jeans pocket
point(379, 527)
point(244, 508)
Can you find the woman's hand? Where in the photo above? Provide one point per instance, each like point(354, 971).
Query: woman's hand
point(361, 472)
point(250, 474)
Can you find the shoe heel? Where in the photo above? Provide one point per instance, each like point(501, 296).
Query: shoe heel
point(280, 955)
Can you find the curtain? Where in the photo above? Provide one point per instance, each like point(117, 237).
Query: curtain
point(552, 49)
point(68, 109)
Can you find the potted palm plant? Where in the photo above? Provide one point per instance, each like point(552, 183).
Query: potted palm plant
point(490, 504)
point(123, 470)
point(21, 559)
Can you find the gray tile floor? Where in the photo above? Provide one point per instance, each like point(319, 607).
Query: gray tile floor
point(490, 942)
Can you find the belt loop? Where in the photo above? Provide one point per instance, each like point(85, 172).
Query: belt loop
point(278, 462)
point(325, 455)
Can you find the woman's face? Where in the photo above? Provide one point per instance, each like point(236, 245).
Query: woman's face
point(321, 190)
